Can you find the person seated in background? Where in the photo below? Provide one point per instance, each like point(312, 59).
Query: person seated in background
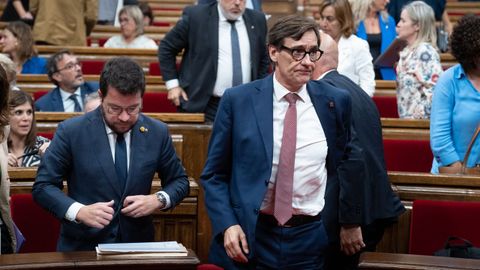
point(25, 148)
point(354, 59)
point(456, 100)
point(147, 13)
point(378, 28)
point(419, 65)
point(131, 27)
point(9, 67)
point(17, 41)
point(92, 101)
point(65, 71)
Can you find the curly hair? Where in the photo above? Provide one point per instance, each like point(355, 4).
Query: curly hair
point(465, 42)
point(123, 74)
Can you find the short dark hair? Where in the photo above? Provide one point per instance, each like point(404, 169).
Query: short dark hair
point(292, 26)
point(52, 63)
point(123, 74)
point(465, 42)
point(16, 99)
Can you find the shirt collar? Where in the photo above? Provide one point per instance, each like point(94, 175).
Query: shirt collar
point(65, 95)
point(459, 72)
point(279, 91)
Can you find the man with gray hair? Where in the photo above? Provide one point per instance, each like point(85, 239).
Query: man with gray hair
point(381, 206)
point(271, 180)
point(223, 46)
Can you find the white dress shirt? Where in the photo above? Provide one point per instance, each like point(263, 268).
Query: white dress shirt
point(310, 172)
point(68, 104)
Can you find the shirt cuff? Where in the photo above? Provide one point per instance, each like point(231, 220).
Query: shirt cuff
point(72, 211)
point(167, 198)
point(172, 84)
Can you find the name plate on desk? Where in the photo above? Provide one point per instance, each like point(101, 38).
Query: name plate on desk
point(141, 250)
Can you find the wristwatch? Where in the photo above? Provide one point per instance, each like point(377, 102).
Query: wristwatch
point(161, 198)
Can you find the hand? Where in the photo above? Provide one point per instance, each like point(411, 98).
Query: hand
point(97, 215)
point(174, 95)
point(140, 205)
point(43, 148)
point(12, 160)
point(232, 238)
point(351, 240)
point(27, 16)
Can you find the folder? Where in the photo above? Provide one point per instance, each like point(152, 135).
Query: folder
point(391, 55)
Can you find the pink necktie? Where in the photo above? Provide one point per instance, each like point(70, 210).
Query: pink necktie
point(284, 182)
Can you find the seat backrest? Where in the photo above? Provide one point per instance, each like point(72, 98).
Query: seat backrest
point(432, 222)
point(387, 106)
point(40, 229)
point(38, 94)
point(92, 67)
point(157, 103)
point(408, 155)
point(154, 69)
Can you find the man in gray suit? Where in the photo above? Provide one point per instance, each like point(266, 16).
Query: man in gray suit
point(223, 46)
point(108, 158)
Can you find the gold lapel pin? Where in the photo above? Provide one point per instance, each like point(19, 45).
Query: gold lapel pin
point(143, 129)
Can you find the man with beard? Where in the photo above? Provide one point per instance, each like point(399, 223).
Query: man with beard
point(65, 72)
point(223, 45)
point(109, 157)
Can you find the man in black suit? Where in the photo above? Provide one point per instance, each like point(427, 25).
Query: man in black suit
point(205, 34)
point(253, 4)
point(381, 206)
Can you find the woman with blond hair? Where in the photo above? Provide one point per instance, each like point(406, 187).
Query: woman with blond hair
point(377, 27)
point(17, 41)
point(419, 66)
point(354, 58)
point(131, 27)
point(7, 231)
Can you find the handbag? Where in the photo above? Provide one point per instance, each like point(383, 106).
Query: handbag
point(461, 249)
point(442, 38)
point(464, 170)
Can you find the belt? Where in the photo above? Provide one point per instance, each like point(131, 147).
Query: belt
point(294, 221)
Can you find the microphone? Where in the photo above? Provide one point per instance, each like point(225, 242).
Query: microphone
point(31, 153)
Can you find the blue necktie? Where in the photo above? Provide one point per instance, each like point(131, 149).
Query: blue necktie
point(77, 105)
point(236, 60)
point(121, 160)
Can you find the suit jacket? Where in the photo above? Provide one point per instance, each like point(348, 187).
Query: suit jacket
point(80, 153)
point(379, 202)
point(5, 189)
point(52, 101)
point(257, 4)
point(197, 33)
point(60, 22)
point(239, 163)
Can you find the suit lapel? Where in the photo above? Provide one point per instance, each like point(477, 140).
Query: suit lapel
point(138, 148)
point(263, 106)
point(325, 108)
point(57, 100)
point(100, 141)
point(212, 31)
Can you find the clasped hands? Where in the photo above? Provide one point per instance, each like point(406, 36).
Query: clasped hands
point(100, 214)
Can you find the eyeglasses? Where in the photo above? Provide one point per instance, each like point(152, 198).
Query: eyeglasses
point(299, 54)
point(70, 66)
point(116, 110)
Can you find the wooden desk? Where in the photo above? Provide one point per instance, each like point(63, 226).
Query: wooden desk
point(396, 128)
point(89, 260)
point(391, 261)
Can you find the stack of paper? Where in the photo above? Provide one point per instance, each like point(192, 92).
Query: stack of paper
point(145, 249)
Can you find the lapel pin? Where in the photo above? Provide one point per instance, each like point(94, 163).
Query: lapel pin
point(331, 104)
point(143, 129)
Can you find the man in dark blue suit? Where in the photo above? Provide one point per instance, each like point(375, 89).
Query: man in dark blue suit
point(65, 72)
point(109, 157)
point(272, 162)
point(381, 206)
point(211, 60)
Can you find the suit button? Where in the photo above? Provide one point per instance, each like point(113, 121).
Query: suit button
point(255, 211)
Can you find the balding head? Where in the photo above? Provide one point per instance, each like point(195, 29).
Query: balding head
point(329, 59)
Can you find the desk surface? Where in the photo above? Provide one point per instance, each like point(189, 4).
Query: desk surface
point(89, 260)
point(391, 261)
